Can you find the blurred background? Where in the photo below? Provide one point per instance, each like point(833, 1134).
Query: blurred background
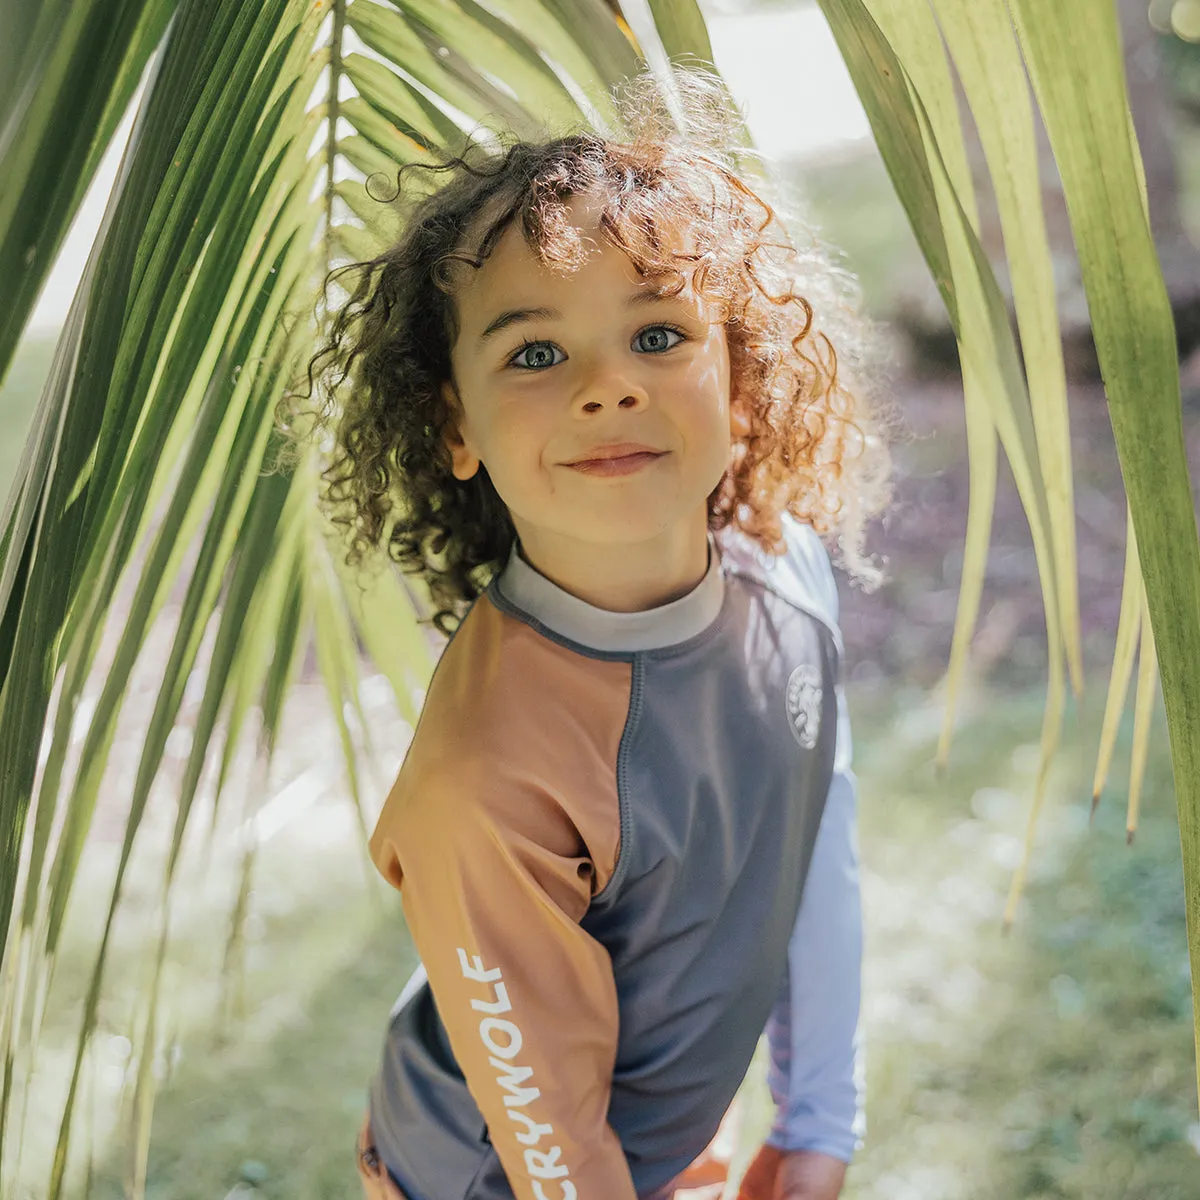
point(1054, 1061)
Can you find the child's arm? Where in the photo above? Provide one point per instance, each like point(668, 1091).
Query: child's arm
point(814, 1036)
point(816, 1054)
point(493, 893)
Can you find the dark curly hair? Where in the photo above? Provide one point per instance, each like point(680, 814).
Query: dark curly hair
point(805, 442)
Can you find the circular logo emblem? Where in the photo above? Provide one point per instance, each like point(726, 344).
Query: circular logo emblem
point(804, 704)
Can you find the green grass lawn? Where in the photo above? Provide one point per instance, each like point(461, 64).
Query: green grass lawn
point(1055, 1061)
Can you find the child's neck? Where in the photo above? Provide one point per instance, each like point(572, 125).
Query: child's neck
point(621, 577)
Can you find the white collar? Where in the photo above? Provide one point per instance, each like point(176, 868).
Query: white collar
point(526, 588)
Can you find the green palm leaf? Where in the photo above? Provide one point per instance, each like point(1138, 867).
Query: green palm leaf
point(145, 505)
point(77, 70)
point(924, 154)
point(1074, 58)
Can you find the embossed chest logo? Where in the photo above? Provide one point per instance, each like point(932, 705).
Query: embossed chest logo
point(804, 704)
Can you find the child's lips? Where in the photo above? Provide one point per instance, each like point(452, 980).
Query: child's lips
point(623, 464)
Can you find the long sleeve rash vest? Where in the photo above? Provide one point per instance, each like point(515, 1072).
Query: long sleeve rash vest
point(601, 833)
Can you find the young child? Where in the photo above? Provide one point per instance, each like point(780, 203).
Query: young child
point(592, 410)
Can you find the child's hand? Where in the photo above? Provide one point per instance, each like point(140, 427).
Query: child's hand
point(776, 1174)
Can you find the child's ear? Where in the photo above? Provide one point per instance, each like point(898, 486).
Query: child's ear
point(465, 461)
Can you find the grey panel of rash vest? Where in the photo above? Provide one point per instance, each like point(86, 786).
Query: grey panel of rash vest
point(721, 829)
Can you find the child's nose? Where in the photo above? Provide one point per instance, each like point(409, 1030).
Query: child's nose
point(610, 392)
point(631, 401)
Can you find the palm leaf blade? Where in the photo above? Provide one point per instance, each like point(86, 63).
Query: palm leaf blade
point(1073, 52)
point(981, 42)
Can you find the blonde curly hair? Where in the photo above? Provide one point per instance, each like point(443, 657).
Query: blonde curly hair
point(806, 440)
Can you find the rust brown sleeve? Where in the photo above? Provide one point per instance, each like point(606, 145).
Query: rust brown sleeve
point(493, 895)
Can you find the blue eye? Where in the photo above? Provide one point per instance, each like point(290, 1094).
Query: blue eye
point(538, 356)
point(543, 357)
point(658, 333)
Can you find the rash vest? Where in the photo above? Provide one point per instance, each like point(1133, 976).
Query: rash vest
point(601, 833)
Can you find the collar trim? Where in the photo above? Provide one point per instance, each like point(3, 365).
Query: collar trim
point(569, 617)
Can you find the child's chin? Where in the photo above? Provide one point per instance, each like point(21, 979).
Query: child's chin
point(634, 527)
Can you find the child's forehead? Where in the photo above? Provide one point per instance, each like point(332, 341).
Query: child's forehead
point(512, 255)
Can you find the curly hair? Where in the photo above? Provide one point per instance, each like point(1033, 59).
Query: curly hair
point(806, 440)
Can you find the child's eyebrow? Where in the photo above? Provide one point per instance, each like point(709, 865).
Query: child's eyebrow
point(512, 316)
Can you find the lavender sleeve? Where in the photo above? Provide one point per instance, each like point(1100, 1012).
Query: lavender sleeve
point(814, 1035)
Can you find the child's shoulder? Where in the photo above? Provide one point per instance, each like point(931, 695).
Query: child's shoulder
point(802, 575)
point(504, 697)
point(516, 745)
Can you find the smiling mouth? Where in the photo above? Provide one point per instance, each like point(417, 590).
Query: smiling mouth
point(624, 464)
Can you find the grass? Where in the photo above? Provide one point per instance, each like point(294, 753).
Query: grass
point(1055, 1061)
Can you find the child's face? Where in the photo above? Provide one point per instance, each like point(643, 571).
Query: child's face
point(600, 370)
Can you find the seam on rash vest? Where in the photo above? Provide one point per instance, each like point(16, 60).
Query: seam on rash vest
point(503, 604)
point(489, 1152)
point(637, 687)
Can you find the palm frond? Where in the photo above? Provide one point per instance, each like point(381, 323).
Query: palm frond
point(145, 508)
